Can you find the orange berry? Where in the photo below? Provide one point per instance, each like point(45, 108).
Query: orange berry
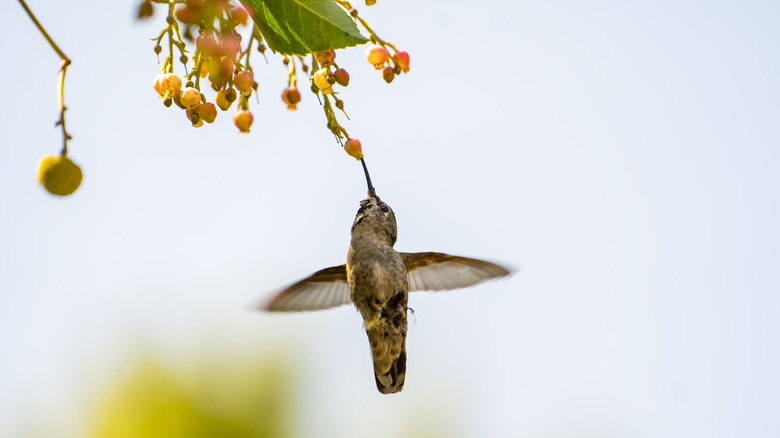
point(402, 60)
point(207, 44)
point(230, 45)
point(243, 120)
point(226, 68)
point(377, 56)
point(353, 148)
point(158, 85)
point(239, 14)
point(170, 84)
point(291, 96)
point(186, 15)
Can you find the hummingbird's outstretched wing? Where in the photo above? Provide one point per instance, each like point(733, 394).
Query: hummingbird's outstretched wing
point(322, 290)
point(437, 271)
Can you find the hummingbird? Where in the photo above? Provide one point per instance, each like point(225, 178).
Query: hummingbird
point(377, 280)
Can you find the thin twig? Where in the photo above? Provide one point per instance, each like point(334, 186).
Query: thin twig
point(63, 67)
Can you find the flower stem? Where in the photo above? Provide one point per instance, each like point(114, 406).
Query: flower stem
point(63, 67)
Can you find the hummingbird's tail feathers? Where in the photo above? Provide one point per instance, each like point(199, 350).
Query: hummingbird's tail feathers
point(393, 381)
point(388, 345)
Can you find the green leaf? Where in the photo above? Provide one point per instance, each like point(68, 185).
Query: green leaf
point(298, 27)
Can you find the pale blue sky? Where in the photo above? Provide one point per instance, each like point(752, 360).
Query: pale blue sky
point(623, 153)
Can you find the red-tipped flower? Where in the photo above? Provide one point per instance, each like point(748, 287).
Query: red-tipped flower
point(291, 96)
point(402, 60)
point(353, 148)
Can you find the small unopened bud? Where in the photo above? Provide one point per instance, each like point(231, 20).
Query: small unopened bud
point(388, 74)
point(342, 77)
point(145, 10)
point(230, 95)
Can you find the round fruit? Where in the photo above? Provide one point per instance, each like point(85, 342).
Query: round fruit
point(244, 81)
point(353, 148)
point(388, 74)
point(291, 96)
point(243, 120)
point(377, 56)
point(402, 60)
point(321, 77)
point(207, 112)
point(342, 77)
point(190, 98)
point(222, 101)
point(59, 175)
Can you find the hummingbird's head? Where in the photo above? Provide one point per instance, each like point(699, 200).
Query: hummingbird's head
point(376, 218)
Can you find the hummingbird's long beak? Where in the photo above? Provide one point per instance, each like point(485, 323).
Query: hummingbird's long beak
point(371, 190)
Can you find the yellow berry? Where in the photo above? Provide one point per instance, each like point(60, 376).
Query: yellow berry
point(207, 112)
point(321, 80)
point(190, 98)
point(59, 175)
point(222, 101)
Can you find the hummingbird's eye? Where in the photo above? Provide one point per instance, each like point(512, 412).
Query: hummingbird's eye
point(383, 208)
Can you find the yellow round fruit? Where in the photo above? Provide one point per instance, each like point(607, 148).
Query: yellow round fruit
point(59, 175)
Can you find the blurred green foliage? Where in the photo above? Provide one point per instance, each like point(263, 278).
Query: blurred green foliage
point(250, 399)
